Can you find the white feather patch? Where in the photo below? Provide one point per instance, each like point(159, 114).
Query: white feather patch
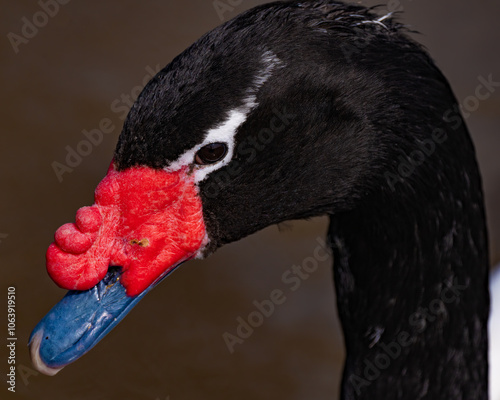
point(226, 130)
point(223, 133)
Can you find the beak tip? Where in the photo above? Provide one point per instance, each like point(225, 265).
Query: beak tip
point(38, 363)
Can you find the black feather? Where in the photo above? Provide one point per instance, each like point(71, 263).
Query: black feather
point(372, 138)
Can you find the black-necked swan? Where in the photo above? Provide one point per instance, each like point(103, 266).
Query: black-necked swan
point(291, 110)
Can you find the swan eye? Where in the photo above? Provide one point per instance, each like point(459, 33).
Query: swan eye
point(210, 153)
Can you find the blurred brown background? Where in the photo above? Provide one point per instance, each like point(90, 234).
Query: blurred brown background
point(64, 80)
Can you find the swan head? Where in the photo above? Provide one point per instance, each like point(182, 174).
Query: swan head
point(288, 111)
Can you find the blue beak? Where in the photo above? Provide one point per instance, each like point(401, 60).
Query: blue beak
point(79, 321)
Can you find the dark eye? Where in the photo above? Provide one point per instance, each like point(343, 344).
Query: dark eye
point(210, 153)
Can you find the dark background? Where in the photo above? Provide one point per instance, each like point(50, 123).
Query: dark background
point(170, 347)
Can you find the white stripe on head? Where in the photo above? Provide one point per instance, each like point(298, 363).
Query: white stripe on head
point(270, 61)
point(225, 131)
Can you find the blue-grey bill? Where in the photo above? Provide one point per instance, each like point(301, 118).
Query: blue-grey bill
point(79, 321)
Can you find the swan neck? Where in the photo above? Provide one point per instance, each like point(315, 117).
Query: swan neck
point(412, 296)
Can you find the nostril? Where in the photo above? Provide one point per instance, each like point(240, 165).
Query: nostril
point(88, 219)
point(141, 242)
point(71, 240)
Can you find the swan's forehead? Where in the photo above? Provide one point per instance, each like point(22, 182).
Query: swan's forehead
point(188, 105)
